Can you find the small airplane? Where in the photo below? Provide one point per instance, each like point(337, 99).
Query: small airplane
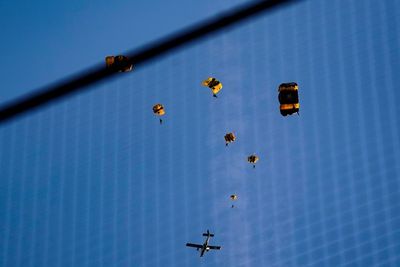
point(205, 247)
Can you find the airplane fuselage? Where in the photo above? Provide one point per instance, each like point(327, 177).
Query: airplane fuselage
point(205, 246)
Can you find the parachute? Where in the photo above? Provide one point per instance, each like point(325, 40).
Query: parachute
point(233, 198)
point(158, 110)
point(253, 159)
point(213, 84)
point(289, 98)
point(229, 137)
point(119, 63)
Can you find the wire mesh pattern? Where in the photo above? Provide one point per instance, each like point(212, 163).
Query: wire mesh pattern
point(97, 181)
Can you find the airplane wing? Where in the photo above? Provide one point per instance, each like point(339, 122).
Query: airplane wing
point(193, 245)
point(214, 247)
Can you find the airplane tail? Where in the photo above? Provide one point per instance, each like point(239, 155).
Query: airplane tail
point(208, 234)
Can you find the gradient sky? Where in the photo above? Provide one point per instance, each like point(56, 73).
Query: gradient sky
point(95, 180)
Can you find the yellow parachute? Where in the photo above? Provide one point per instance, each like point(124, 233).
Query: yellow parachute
point(289, 98)
point(229, 138)
point(213, 84)
point(119, 63)
point(253, 159)
point(158, 110)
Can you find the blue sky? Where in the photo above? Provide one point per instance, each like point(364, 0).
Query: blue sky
point(94, 180)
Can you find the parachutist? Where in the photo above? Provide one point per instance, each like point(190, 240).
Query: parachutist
point(159, 110)
point(213, 84)
point(289, 98)
point(252, 159)
point(233, 198)
point(119, 63)
point(229, 137)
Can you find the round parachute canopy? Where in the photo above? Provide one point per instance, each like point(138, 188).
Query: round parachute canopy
point(252, 159)
point(213, 84)
point(158, 110)
point(229, 137)
point(233, 197)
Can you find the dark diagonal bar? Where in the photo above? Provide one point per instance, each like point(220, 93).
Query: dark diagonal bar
point(79, 82)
